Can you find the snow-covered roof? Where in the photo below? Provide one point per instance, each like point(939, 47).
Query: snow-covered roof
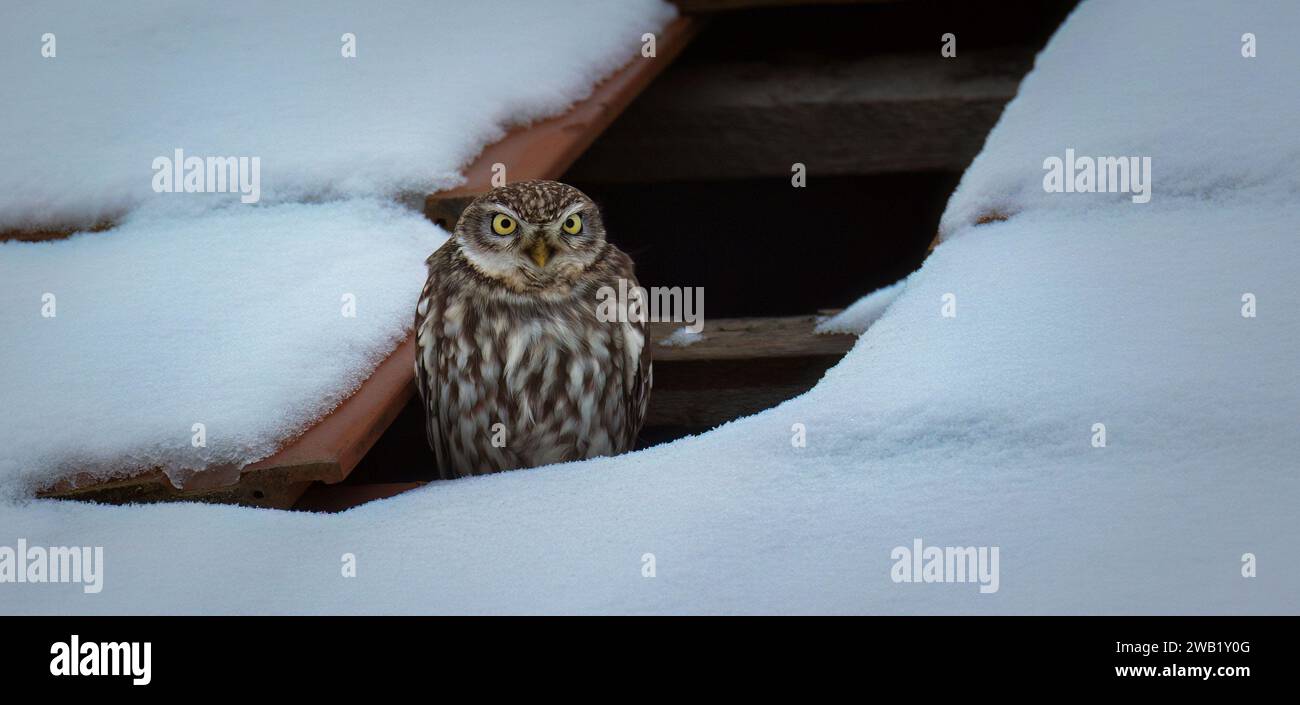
point(201, 314)
point(977, 428)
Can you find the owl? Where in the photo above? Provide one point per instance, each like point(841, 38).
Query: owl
point(514, 364)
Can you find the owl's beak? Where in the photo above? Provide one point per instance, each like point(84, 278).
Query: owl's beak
point(540, 252)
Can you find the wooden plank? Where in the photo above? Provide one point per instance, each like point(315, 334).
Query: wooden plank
point(741, 367)
point(750, 339)
point(266, 492)
point(54, 232)
point(838, 116)
point(331, 448)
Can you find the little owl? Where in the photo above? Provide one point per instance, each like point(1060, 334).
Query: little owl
point(513, 364)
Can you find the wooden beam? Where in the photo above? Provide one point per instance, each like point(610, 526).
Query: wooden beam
point(331, 448)
point(742, 366)
point(754, 119)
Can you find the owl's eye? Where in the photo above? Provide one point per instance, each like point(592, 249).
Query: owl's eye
point(572, 225)
point(503, 224)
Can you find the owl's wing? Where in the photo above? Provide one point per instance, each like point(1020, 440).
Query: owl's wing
point(638, 376)
point(428, 375)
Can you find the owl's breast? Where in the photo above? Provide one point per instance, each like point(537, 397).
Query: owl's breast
point(529, 385)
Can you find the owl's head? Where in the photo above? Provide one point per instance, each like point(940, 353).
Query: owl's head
point(532, 236)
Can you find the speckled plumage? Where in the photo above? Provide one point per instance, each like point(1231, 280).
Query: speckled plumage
point(502, 339)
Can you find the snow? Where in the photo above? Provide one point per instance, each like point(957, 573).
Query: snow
point(431, 84)
point(862, 313)
point(682, 337)
point(1151, 79)
point(973, 430)
point(238, 320)
point(970, 430)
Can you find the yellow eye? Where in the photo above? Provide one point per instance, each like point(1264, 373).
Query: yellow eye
point(503, 224)
point(572, 224)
